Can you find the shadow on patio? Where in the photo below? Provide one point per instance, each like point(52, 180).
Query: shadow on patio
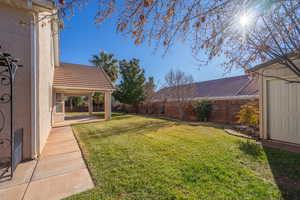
point(80, 118)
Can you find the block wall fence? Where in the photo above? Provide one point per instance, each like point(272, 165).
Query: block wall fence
point(223, 111)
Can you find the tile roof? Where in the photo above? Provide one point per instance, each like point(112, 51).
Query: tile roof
point(224, 87)
point(69, 75)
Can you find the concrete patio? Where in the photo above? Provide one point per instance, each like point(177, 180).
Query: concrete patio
point(79, 119)
point(59, 172)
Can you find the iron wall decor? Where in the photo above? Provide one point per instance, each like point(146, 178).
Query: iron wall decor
point(8, 69)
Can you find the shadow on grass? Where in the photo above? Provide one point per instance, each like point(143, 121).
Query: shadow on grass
point(190, 123)
point(131, 129)
point(121, 117)
point(285, 167)
point(250, 148)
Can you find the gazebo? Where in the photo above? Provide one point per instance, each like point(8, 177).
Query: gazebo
point(80, 80)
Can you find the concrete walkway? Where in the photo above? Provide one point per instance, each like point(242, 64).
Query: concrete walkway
point(59, 172)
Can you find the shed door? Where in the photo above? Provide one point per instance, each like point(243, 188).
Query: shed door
point(283, 111)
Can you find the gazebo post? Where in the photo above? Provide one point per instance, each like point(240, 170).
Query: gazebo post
point(90, 103)
point(107, 103)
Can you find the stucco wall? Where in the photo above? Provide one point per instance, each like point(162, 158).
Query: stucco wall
point(15, 37)
point(45, 78)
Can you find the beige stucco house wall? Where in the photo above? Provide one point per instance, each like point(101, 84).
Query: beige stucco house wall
point(15, 37)
point(33, 42)
point(279, 102)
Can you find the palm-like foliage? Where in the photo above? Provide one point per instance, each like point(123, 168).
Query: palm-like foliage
point(108, 63)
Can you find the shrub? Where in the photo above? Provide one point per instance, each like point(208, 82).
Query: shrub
point(249, 114)
point(203, 109)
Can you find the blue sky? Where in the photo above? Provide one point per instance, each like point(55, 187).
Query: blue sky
point(81, 38)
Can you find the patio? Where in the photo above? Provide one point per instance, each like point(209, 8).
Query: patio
point(59, 172)
point(78, 119)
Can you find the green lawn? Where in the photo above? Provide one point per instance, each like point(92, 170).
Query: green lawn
point(133, 157)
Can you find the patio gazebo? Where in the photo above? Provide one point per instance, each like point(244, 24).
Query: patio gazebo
point(80, 80)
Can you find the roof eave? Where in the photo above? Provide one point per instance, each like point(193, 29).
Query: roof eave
point(295, 54)
point(83, 88)
point(238, 97)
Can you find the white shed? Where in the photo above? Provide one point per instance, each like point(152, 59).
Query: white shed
point(279, 102)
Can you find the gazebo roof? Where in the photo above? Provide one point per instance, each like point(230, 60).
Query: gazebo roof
point(70, 76)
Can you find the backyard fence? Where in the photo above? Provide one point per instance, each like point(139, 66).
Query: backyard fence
point(223, 111)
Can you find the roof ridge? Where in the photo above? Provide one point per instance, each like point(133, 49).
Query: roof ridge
point(82, 65)
point(106, 76)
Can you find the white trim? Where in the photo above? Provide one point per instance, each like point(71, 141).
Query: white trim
point(81, 88)
point(228, 97)
point(34, 131)
point(55, 41)
point(239, 97)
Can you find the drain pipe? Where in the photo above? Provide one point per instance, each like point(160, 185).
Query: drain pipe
point(34, 100)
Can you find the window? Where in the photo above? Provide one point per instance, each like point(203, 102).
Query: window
point(59, 103)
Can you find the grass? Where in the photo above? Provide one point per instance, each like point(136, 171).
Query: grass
point(133, 157)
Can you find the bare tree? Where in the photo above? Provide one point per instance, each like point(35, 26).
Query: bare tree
point(246, 32)
point(180, 89)
point(150, 87)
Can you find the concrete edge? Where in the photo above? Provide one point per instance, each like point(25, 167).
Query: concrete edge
point(82, 154)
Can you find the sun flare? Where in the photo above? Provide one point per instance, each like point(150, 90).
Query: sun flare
point(245, 20)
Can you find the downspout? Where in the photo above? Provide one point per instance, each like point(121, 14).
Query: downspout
point(34, 100)
point(56, 42)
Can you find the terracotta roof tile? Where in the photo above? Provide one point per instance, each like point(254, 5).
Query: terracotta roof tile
point(70, 75)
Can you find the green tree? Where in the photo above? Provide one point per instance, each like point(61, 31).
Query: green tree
point(203, 109)
point(108, 63)
point(75, 101)
point(131, 88)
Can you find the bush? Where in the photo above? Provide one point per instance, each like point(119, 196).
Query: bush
point(203, 109)
point(249, 114)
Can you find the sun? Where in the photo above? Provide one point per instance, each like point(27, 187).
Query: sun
point(245, 20)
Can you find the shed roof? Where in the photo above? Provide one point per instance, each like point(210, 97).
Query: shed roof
point(84, 77)
point(293, 56)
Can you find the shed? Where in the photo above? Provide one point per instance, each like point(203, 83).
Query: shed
point(279, 102)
